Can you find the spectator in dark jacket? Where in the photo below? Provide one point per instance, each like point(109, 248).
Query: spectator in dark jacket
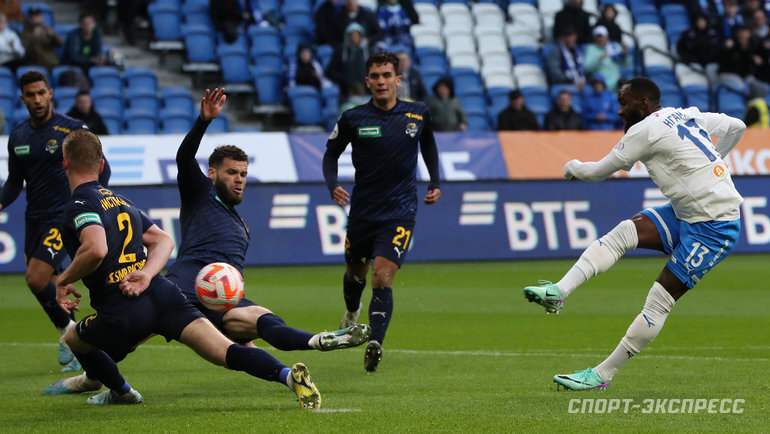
point(306, 71)
point(575, 17)
point(39, 40)
point(516, 117)
point(411, 87)
point(445, 109)
point(562, 116)
point(84, 110)
point(352, 12)
point(83, 46)
point(325, 29)
point(740, 61)
point(609, 13)
point(348, 63)
point(701, 43)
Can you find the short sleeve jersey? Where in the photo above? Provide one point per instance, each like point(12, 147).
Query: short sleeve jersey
point(385, 146)
point(35, 156)
point(675, 146)
point(124, 226)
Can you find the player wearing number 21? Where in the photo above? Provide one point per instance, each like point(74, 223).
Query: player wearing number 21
point(384, 134)
point(698, 228)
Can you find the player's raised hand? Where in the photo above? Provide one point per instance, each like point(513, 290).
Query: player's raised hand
point(212, 102)
point(62, 297)
point(340, 196)
point(135, 283)
point(432, 196)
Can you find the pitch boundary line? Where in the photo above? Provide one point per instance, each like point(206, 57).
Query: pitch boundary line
point(485, 353)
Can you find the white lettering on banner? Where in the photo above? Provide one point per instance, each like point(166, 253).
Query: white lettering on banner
point(478, 208)
point(331, 228)
point(289, 211)
point(448, 161)
point(166, 217)
point(577, 225)
point(548, 209)
point(7, 248)
point(523, 235)
point(748, 162)
point(757, 225)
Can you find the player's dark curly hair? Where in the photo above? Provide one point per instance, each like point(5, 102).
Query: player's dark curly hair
point(382, 58)
point(32, 77)
point(226, 151)
point(644, 87)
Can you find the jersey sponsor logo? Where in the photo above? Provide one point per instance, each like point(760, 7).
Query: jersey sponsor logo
point(86, 217)
point(51, 146)
point(118, 275)
point(411, 129)
point(374, 131)
point(719, 171)
point(21, 150)
point(414, 116)
point(62, 129)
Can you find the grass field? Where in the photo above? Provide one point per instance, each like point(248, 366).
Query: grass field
point(465, 353)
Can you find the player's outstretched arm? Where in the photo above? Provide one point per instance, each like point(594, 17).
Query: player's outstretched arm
point(212, 103)
point(92, 250)
point(593, 171)
point(340, 196)
point(159, 247)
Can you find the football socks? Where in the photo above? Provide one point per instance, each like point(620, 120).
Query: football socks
point(352, 289)
point(273, 330)
point(99, 366)
point(255, 362)
point(380, 311)
point(47, 299)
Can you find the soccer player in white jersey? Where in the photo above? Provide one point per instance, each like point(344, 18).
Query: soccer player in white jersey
point(698, 228)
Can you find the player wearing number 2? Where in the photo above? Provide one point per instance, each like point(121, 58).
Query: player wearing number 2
point(384, 134)
point(698, 228)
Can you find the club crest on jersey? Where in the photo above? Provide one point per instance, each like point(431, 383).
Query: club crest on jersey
point(411, 129)
point(51, 146)
point(719, 171)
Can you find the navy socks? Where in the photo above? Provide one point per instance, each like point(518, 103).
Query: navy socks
point(47, 299)
point(255, 362)
point(380, 311)
point(273, 330)
point(351, 290)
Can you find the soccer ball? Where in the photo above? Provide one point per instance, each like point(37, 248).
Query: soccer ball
point(219, 286)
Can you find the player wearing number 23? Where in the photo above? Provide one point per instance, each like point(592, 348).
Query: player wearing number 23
point(698, 228)
point(384, 134)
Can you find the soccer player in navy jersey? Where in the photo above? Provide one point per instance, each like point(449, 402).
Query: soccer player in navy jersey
point(35, 157)
point(384, 134)
point(117, 251)
point(213, 231)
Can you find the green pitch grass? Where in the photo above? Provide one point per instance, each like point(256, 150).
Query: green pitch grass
point(465, 353)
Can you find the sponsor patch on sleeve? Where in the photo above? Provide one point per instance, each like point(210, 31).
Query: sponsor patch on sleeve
point(86, 217)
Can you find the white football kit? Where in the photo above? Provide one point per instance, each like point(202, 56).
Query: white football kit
point(675, 146)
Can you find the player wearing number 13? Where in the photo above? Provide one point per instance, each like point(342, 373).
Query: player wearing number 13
point(698, 228)
point(384, 134)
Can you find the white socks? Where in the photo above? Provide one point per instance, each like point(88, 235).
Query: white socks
point(600, 256)
point(640, 333)
point(315, 342)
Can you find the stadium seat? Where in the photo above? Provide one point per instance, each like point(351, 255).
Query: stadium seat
point(672, 98)
point(492, 44)
point(521, 36)
point(506, 81)
point(21, 70)
point(295, 13)
point(306, 105)
point(106, 77)
point(196, 13)
point(166, 20)
point(139, 77)
point(293, 36)
point(219, 124)
point(140, 122)
point(330, 96)
point(687, 76)
point(174, 122)
point(8, 106)
point(478, 121)
point(466, 81)
point(199, 43)
point(64, 98)
point(530, 76)
point(324, 54)
point(140, 100)
point(424, 36)
point(177, 100)
point(498, 99)
point(234, 61)
point(526, 54)
point(108, 100)
point(57, 71)
point(431, 58)
point(537, 99)
point(264, 36)
point(464, 60)
point(7, 80)
point(729, 101)
point(460, 44)
point(268, 82)
point(113, 122)
point(429, 15)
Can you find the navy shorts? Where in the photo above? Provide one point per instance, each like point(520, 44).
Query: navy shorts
point(695, 248)
point(119, 327)
point(183, 275)
point(42, 240)
point(366, 239)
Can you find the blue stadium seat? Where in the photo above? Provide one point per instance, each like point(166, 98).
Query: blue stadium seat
point(498, 100)
point(663, 76)
point(45, 8)
point(113, 122)
point(293, 36)
point(268, 82)
point(264, 36)
point(108, 100)
point(466, 81)
point(64, 98)
point(219, 125)
point(306, 105)
point(106, 76)
point(166, 20)
point(473, 101)
point(234, 61)
point(324, 54)
point(524, 54)
point(698, 96)
point(537, 99)
point(21, 70)
point(173, 122)
point(199, 42)
point(141, 100)
point(295, 13)
point(330, 97)
point(672, 98)
point(196, 12)
point(429, 78)
point(431, 57)
point(7, 80)
point(178, 100)
point(8, 107)
point(478, 120)
point(57, 71)
point(140, 122)
point(729, 101)
point(645, 14)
